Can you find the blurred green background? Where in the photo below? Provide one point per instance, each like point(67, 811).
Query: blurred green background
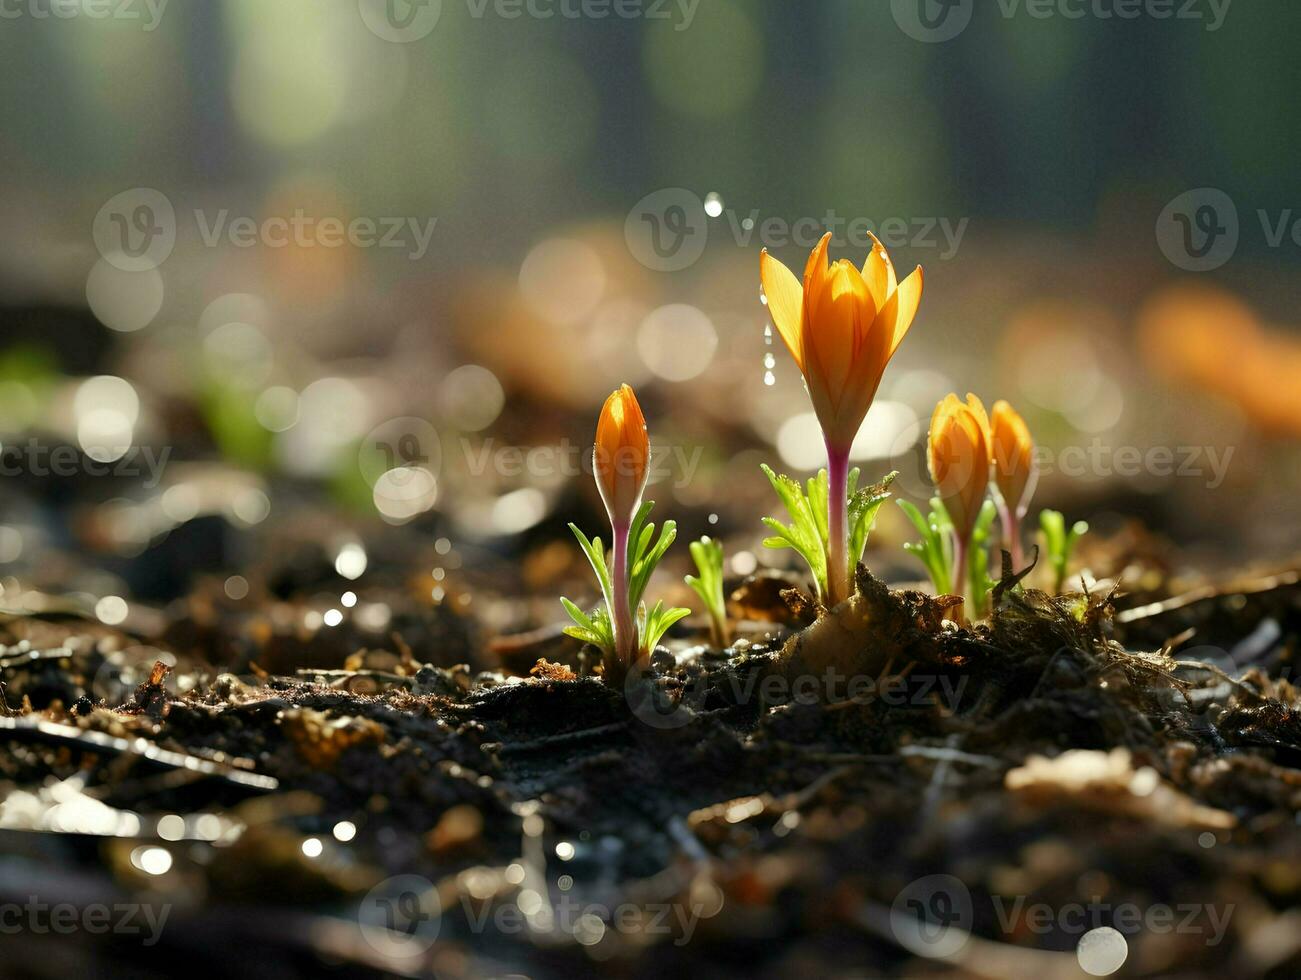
point(523, 142)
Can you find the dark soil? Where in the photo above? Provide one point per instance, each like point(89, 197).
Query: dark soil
point(852, 799)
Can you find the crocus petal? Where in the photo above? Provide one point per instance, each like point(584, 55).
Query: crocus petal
point(785, 298)
point(902, 307)
point(816, 267)
point(977, 408)
point(833, 324)
point(878, 271)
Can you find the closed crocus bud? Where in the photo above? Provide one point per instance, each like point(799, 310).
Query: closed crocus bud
point(1013, 457)
point(958, 454)
point(620, 459)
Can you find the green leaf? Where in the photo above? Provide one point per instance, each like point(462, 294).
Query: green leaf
point(1059, 543)
point(596, 558)
point(978, 558)
point(656, 623)
point(806, 535)
point(595, 629)
point(863, 507)
point(934, 550)
point(642, 556)
point(708, 556)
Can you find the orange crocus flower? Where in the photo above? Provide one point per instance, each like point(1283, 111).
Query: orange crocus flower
point(1014, 471)
point(620, 463)
point(842, 326)
point(959, 458)
point(621, 455)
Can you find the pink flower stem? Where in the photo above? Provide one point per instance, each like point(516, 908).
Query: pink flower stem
point(837, 525)
point(959, 582)
point(625, 629)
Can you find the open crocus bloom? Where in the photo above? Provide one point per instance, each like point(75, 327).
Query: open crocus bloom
point(842, 326)
point(621, 455)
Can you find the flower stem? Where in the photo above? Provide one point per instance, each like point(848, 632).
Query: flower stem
point(625, 629)
point(960, 571)
point(837, 525)
point(1011, 533)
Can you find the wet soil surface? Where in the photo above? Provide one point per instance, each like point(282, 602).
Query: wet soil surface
point(881, 793)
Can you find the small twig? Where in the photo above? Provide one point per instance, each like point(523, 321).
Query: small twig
point(99, 742)
point(565, 738)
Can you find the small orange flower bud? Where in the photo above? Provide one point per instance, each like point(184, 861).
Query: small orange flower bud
point(621, 457)
point(958, 454)
point(842, 326)
point(1013, 452)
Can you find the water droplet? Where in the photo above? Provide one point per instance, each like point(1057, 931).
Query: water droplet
point(713, 204)
point(1101, 952)
point(769, 378)
point(769, 361)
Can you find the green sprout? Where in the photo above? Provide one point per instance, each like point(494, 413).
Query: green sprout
point(936, 546)
point(935, 551)
point(807, 507)
point(708, 556)
point(597, 628)
point(978, 560)
point(1059, 543)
